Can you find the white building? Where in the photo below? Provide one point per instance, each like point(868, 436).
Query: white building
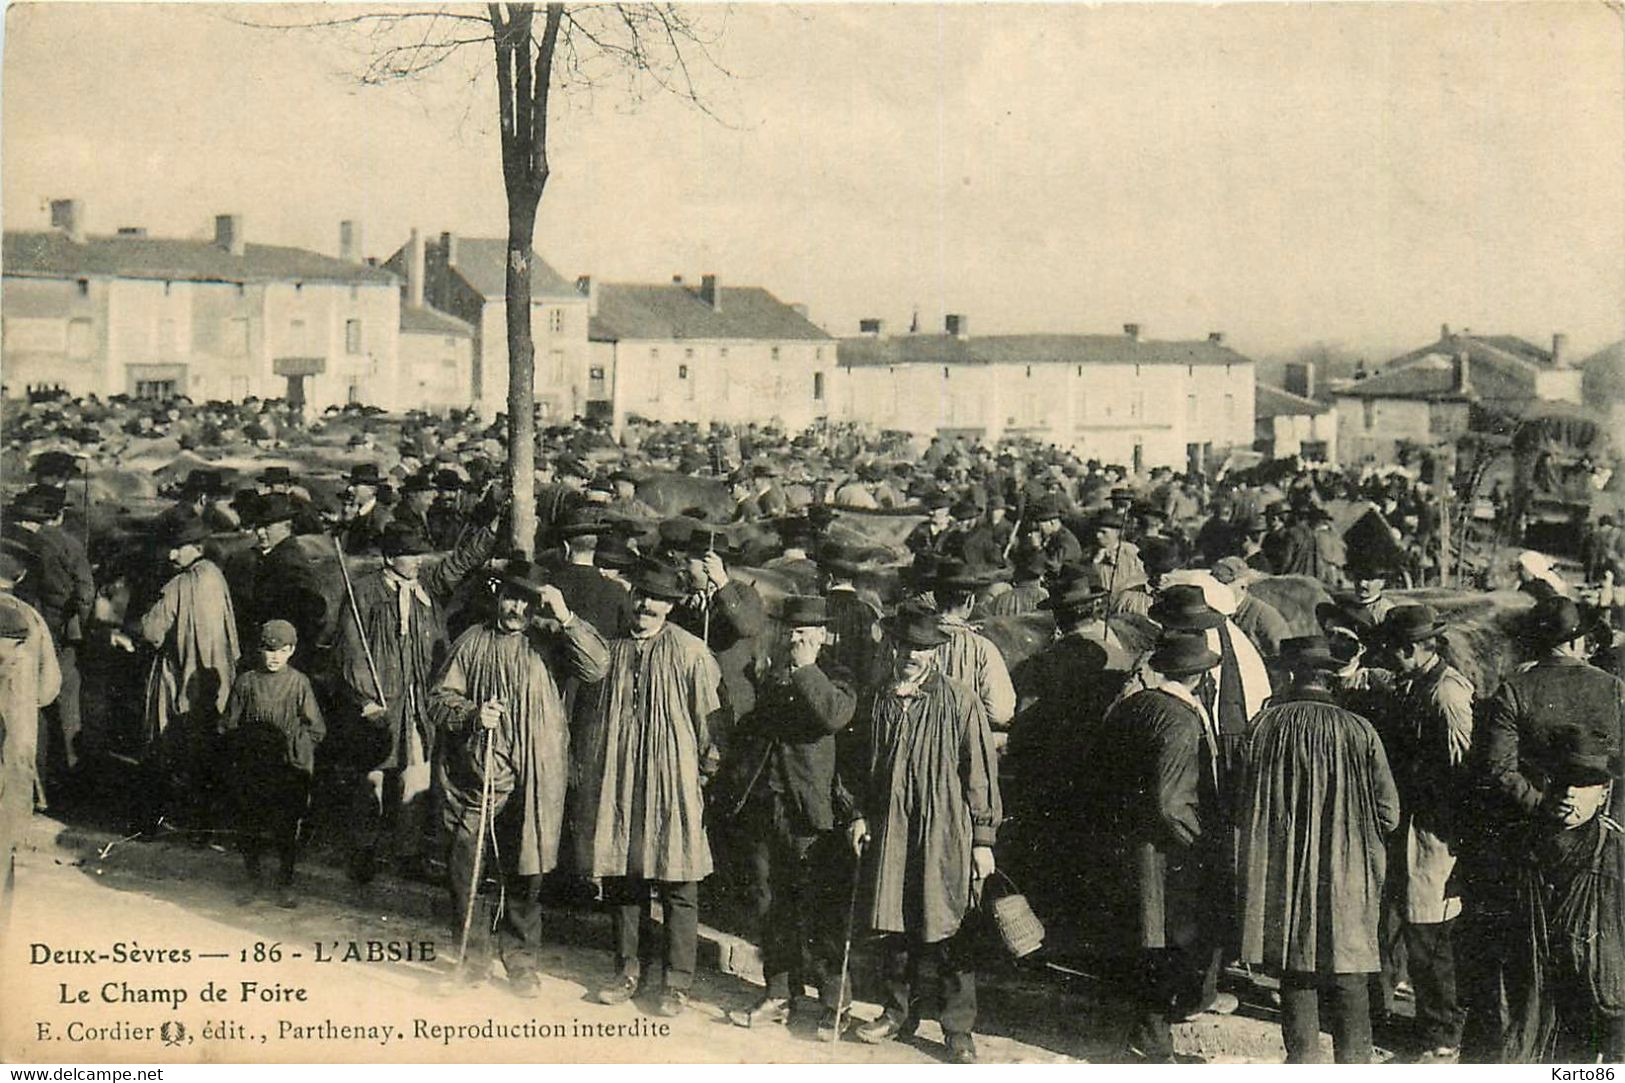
point(1118, 398)
point(221, 319)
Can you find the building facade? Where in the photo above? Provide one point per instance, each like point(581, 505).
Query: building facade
point(708, 354)
point(437, 359)
point(1122, 399)
point(223, 319)
point(466, 278)
point(1433, 394)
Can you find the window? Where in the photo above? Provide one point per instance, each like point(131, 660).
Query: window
point(682, 372)
point(1229, 409)
point(596, 372)
point(155, 389)
point(1370, 409)
point(296, 337)
point(81, 340)
point(555, 321)
point(689, 386)
point(818, 385)
point(555, 367)
point(84, 287)
point(1192, 411)
point(775, 353)
point(354, 395)
point(352, 336)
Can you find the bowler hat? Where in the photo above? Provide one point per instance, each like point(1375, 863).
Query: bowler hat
point(1045, 507)
point(915, 626)
point(1406, 624)
point(1180, 654)
point(801, 610)
point(361, 474)
point(1313, 652)
point(276, 634)
point(614, 551)
point(1184, 608)
point(1582, 758)
point(401, 539)
point(55, 462)
point(1110, 520)
point(1555, 620)
point(203, 482)
point(277, 475)
point(658, 579)
point(965, 508)
point(934, 500)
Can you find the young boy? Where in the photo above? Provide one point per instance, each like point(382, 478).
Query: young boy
point(274, 725)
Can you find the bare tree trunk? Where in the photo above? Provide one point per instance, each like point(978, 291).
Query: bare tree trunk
point(521, 375)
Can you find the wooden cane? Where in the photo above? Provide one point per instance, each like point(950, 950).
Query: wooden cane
point(846, 952)
point(361, 629)
point(479, 852)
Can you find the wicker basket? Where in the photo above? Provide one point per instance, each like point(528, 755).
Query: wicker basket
point(1019, 928)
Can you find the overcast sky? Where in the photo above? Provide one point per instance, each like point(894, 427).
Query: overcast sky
point(1353, 173)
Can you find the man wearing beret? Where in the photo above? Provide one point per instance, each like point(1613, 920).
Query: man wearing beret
point(1526, 729)
point(389, 649)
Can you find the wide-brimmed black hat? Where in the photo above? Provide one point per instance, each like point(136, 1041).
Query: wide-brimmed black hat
point(274, 508)
point(1312, 652)
point(1045, 507)
point(614, 551)
point(1184, 608)
point(801, 610)
point(189, 531)
point(658, 579)
point(1070, 595)
point(951, 573)
point(203, 482)
point(448, 479)
point(55, 463)
point(276, 475)
point(362, 474)
point(965, 508)
point(933, 500)
point(1122, 495)
point(582, 522)
point(840, 558)
point(403, 540)
point(915, 626)
point(1110, 520)
point(1180, 654)
point(523, 575)
point(1410, 624)
point(1583, 758)
point(1028, 564)
point(36, 504)
point(1557, 620)
point(420, 482)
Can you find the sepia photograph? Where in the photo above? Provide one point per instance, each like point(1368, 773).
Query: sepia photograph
point(811, 533)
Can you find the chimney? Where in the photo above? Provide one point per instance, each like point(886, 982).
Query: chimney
point(349, 241)
point(132, 231)
point(1444, 332)
point(228, 233)
point(710, 292)
point(1132, 330)
point(956, 325)
point(1299, 378)
point(1463, 373)
point(68, 215)
point(414, 270)
point(448, 248)
point(870, 325)
point(1560, 350)
point(585, 287)
point(1216, 337)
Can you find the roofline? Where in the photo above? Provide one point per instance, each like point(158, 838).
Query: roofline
point(982, 362)
point(390, 282)
point(703, 341)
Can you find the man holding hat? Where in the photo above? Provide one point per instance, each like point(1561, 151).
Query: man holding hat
point(1317, 801)
point(497, 707)
point(930, 797)
point(1431, 729)
point(193, 628)
point(1528, 727)
point(639, 813)
point(390, 646)
point(1154, 783)
point(62, 588)
point(780, 789)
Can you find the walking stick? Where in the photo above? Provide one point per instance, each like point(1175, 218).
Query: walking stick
point(479, 853)
point(361, 630)
point(846, 951)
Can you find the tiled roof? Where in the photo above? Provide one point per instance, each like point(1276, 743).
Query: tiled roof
point(482, 262)
point(1604, 379)
point(1033, 350)
point(53, 255)
point(662, 312)
point(429, 321)
point(1500, 367)
point(1271, 401)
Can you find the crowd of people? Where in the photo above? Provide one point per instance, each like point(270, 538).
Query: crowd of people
point(639, 700)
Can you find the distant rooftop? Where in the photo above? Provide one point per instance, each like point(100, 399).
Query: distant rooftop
point(1037, 349)
point(1500, 367)
point(482, 262)
point(677, 311)
point(429, 321)
point(1270, 401)
point(52, 254)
